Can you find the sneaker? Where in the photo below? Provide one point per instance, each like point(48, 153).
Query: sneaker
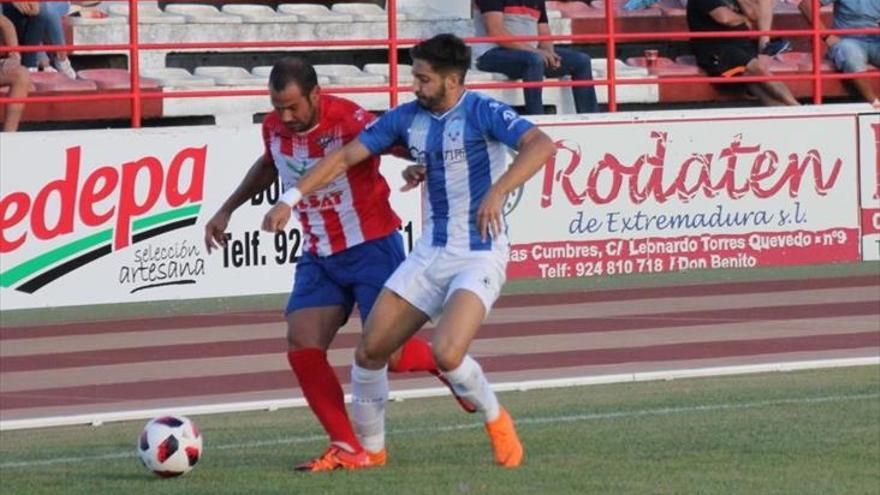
point(631, 5)
point(776, 47)
point(64, 67)
point(335, 458)
point(464, 403)
point(378, 459)
point(505, 442)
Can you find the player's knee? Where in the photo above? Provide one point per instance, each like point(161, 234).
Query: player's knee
point(448, 357)
point(294, 343)
point(368, 356)
point(301, 340)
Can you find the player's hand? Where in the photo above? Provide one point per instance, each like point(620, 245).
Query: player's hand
point(276, 218)
point(215, 229)
point(489, 215)
point(413, 175)
point(832, 40)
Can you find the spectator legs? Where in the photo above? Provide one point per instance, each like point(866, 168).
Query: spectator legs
point(518, 64)
point(30, 30)
point(54, 29)
point(853, 55)
point(771, 93)
point(579, 66)
point(18, 80)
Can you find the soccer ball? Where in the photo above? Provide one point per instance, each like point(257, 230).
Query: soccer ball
point(170, 446)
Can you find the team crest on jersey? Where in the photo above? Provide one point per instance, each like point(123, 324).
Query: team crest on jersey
point(454, 129)
point(329, 142)
point(324, 141)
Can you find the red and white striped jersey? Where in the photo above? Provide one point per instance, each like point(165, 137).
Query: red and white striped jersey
point(354, 207)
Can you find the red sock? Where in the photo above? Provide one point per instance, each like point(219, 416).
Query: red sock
point(415, 355)
point(323, 392)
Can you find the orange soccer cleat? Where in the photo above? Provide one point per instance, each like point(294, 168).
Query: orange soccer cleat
point(335, 458)
point(505, 442)
point(378, 459)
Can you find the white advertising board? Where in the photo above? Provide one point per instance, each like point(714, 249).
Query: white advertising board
point(690, 193)
point(869, 153)
point(115, 216)
point(92, 217)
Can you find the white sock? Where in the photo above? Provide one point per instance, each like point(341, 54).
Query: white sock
point(470, 383)
point(369, 392)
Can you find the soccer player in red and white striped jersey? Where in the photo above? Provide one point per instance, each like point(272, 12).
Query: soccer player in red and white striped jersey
point(351, 246)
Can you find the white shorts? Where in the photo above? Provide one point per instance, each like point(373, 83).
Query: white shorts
point(429, 276)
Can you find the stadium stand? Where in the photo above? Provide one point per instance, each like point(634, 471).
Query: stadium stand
point(193, 68)
point(314, 13)
point(364, 12)
point(252, 13)
point(175, 77)
point(203, 14)
point(147, 14)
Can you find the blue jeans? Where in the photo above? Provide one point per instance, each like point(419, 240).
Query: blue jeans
point(854, 53)
point(530, 67)
point(55, 29)
point(35, 30)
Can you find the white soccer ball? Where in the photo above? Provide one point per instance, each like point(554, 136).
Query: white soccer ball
point(170, 446)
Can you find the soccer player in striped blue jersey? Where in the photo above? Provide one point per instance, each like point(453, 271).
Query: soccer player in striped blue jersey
point(455, 272)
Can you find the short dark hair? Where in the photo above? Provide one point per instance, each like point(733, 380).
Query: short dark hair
point(293, 70)
point(445, 52)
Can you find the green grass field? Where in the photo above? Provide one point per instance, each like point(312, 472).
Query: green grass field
point(798, 433)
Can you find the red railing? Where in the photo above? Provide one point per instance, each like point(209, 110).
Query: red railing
point(393, 43)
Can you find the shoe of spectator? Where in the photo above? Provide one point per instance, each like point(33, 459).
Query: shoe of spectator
point(775, 47)
point(64, 67)
point(638, 4)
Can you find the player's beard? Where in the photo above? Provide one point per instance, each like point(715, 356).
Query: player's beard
point(303, 126)
point(432, 102)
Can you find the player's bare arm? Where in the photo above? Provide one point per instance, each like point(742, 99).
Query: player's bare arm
point(261, 174)
point(328, 168)
point(535, 148)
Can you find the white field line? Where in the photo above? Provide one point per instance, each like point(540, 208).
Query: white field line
point(535, 420)
point(97, 419)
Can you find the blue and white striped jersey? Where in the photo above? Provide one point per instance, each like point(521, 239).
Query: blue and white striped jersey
point(463, 150)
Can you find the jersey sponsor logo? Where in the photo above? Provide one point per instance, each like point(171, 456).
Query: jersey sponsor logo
point(297, 165)
point(447, 157)
point(321, 201)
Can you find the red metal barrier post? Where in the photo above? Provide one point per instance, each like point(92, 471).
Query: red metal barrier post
point(134, 63)
point(391, 9)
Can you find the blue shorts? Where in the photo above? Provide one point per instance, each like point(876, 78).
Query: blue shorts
point(355, 275)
